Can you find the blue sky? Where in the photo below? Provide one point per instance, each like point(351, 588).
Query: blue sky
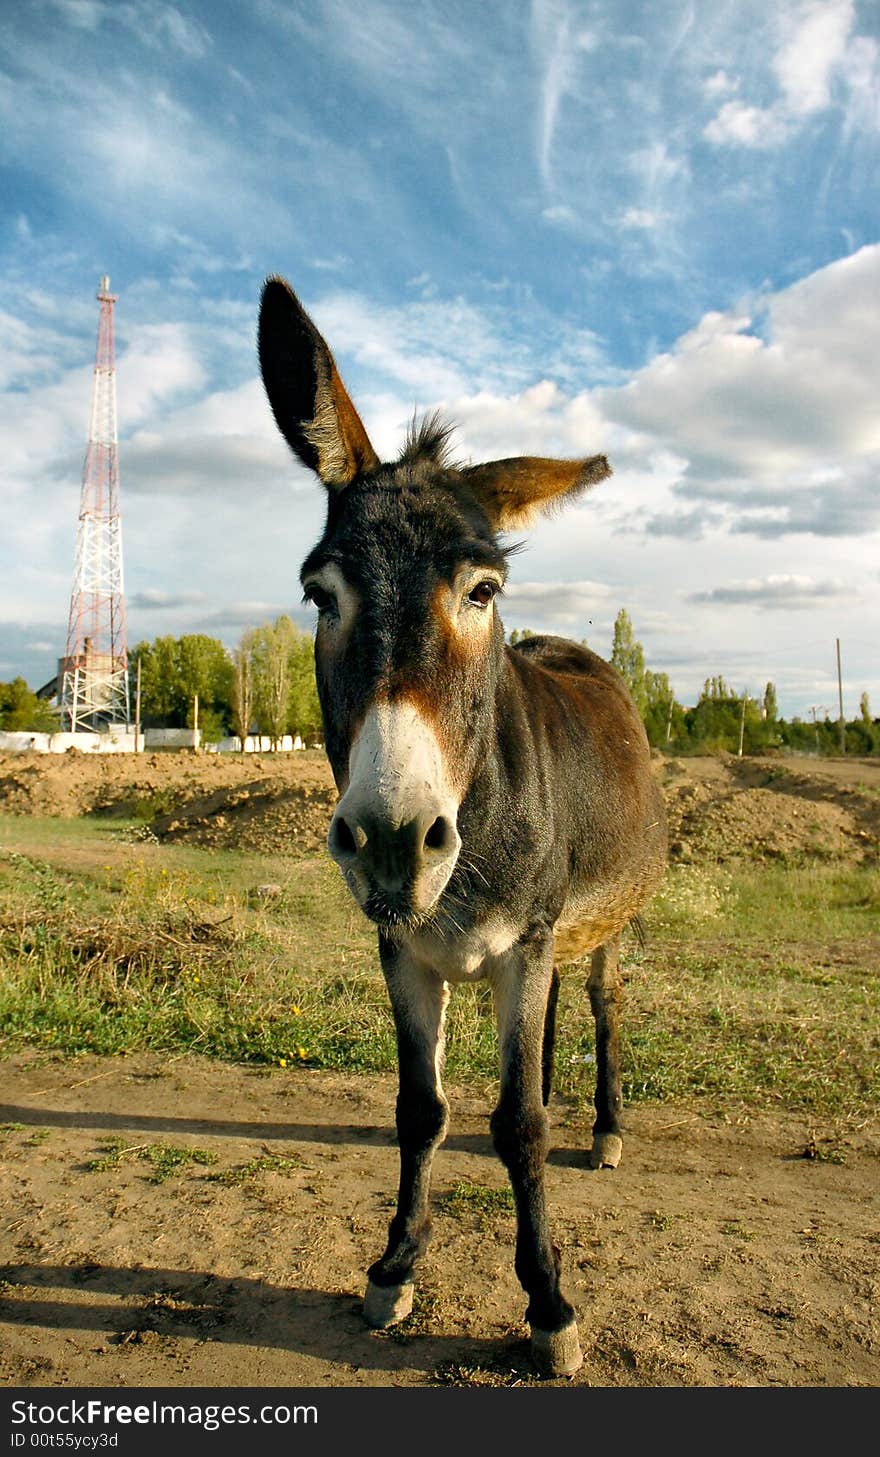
point(645, 229)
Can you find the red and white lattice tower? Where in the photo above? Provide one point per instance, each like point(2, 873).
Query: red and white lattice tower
point(94, 680)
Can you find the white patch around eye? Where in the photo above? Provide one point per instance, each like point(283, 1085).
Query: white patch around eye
point(471, 616)
point(331, 580)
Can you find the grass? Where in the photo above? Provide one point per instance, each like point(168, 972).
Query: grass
point(164, 1159)
point(759, 984)
point(466, 1199)
point(272, 1163)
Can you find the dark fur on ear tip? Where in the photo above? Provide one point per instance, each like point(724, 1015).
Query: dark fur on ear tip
point(593, 470)
point(596, 469)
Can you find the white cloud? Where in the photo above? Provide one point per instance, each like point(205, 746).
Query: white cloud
point(641, 217)
point(778, 421)
point(806, 58)
point(155, 24)
point(794, 593)
point(555, 606)
point(815, 54)
point(719, 84)
point(747, 126)
point(153, 599)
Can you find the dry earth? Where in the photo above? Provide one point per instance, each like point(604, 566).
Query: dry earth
point(717, 1254)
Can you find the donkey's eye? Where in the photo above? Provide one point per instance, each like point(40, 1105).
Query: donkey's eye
point(482, 594)
point(323, 600)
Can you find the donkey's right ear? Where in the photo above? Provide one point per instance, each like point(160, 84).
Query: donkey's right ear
point(308, 399)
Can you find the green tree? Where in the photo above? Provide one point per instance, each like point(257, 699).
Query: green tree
point(242, 692)
point(304, 710)
point(176, 670)
point(21, 711)
point(160, 694)
point(204, 671)
point(865, 709)
point(628, 657)
point(271, 671)
point(771, 708)
point(663, 717)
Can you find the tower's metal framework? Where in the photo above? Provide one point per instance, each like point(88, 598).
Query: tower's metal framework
point(94, 677)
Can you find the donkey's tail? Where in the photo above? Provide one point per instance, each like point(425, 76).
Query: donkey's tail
point(637, 926)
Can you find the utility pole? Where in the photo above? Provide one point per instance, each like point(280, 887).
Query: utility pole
point(742, 724)
point(137, 711)
point(669, 720)
point(840, 702)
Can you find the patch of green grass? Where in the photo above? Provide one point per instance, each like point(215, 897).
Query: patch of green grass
point(273, 1163)
point(164, 1159)
point(758, 984)
point(465, 1199)
point(734, 1228)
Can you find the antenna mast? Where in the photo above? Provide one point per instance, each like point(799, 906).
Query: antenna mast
point(94, 687)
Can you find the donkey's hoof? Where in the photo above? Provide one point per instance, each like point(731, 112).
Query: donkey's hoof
point(387, 1304)
point(606, 1151)
point(557, 1353)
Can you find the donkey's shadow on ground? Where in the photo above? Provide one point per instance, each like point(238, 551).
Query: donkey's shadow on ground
point(332, 1134)
point(192, 1306)
point(196, 1306)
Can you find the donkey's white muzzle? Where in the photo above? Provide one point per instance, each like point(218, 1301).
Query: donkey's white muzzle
point(394, 833)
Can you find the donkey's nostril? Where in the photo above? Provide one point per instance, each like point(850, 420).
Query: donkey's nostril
point(439, 836)
point(342, 841)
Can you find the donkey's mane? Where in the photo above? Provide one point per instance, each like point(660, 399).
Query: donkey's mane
point(428, 440)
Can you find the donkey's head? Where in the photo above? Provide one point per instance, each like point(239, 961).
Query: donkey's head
point(409, 645)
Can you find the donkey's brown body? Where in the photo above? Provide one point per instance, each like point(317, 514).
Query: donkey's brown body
point(497, 810)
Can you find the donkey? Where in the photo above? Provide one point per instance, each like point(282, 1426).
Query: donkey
point(497, 811)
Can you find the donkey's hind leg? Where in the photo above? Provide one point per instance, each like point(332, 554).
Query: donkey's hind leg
point(605, 998)
point(549, 1039)
point(418, 999)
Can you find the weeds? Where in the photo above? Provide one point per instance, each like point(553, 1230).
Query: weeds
point(164, 1159)
point(758, 984)
point(466, 1199)
point(272, 1163)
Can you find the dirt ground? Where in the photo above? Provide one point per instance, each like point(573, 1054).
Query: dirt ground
point(717, 1254)
point(718, 808)
point(729, 1249)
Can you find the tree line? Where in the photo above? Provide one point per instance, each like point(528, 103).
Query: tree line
point(266, 686)
point(724, 720)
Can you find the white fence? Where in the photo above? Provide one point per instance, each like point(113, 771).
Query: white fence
point(256, 744)
point(122, 741)
point(115, 741)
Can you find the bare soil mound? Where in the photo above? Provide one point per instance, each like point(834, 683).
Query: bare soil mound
point(762, 809)
point(262, 815)
point(719, 809)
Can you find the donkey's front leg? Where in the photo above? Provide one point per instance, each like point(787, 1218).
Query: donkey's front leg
point(418, 999)
point(521, 982)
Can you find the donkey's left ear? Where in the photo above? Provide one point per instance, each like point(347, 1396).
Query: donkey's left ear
point(512, 492)
point(308, 399)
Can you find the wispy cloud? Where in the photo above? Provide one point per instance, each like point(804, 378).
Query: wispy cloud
point(156, 600)
point(790, 593)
